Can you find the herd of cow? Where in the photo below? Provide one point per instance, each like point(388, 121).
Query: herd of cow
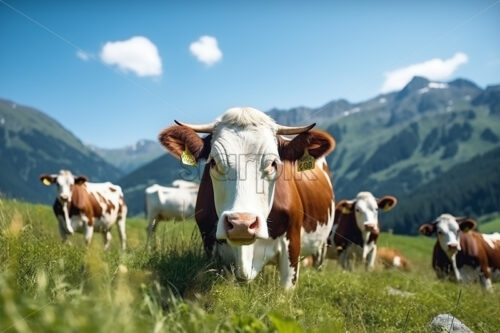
point(266, 196)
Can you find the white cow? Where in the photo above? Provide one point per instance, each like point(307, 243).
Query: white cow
point(169, 203)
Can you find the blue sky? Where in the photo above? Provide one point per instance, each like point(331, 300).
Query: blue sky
point(268, 54)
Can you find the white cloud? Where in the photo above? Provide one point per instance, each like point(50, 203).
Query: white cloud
point(434, 69)
point(137, 54)
point(206, 50)
point(83, 55)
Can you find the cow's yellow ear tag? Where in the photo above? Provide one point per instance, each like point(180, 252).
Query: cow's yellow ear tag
point(46, 182)
point(466, 230)
point(387, 207)
point(187, 158)
point(306, 162)
point(346, 210)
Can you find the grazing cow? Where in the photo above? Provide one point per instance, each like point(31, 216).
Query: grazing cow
point(392, 258)
point(83, 207)
point(459, 249)
point(356, 228)
point(169, 203)
point(253, 207)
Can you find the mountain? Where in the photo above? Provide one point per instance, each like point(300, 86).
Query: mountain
point(471, 188)
point(396, 143)
point(32, 143)
point(130, 157)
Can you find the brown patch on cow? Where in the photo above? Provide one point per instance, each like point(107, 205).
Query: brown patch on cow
point(107, 203)
point(386, 257)
point(85, 203)
point(318, 144)
point(177, 138)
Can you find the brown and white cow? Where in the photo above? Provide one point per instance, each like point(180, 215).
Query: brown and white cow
point(253, 207)
point(83, 207)
point(392, 258)
point(356, 228)
point(460, 250)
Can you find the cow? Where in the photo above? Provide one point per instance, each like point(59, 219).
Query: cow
point(461, 252)
point(356, 229)
point(169, 203)
point(254, 207)
point(392, 258)
point(83, 207)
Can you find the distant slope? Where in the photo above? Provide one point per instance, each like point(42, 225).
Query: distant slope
point(471, 189)
point(129, 158)
point(32, 143)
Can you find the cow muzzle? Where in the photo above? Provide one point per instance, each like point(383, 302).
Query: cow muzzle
point(241, 228)
point(452, 247)
point(370, 227)
point(64, 198)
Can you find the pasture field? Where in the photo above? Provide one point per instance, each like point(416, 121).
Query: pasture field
point(49, 286)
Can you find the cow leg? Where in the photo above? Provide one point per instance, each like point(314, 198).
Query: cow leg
point(121, 227)
point(151, 230)
point(106, 235)
point(485, 277)
point(319, 257)
point(62, 231)
point(458, 276)
point(370, 258)
point(345, 257)
point(289, 263)
point(89, 232)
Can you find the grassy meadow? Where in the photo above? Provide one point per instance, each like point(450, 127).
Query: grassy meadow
point(49, 286)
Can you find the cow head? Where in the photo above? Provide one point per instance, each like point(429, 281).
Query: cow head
point(244, 152)
point(64, 181)
point(365, 209)
point(447, 227)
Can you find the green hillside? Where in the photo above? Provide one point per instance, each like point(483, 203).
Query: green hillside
point(491, 226)
point(32, 143)
point(46, 286)
point(467, 189)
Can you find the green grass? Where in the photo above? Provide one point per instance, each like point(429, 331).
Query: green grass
point(491, 226)
point(49, 286)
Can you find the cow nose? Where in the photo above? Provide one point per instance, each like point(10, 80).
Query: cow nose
point(453, 246)
point(64, 197)
point(370, 226)
point(241, 226)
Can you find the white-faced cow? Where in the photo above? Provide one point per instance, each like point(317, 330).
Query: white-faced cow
point(356, 228)
point(253, 207)
point(169, 203)
point(392, 258)
point(83, 207)
point(461, 252)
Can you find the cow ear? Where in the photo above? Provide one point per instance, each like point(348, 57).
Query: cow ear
point(176, 139)
point(386, 203)
point(317, 143)
point(345, 207)
point(47, 179)
point(81, 180)
point(467, 224)
point(427, 229)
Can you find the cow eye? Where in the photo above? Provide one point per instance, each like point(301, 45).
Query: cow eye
point(213, 164)
point(440, 232)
